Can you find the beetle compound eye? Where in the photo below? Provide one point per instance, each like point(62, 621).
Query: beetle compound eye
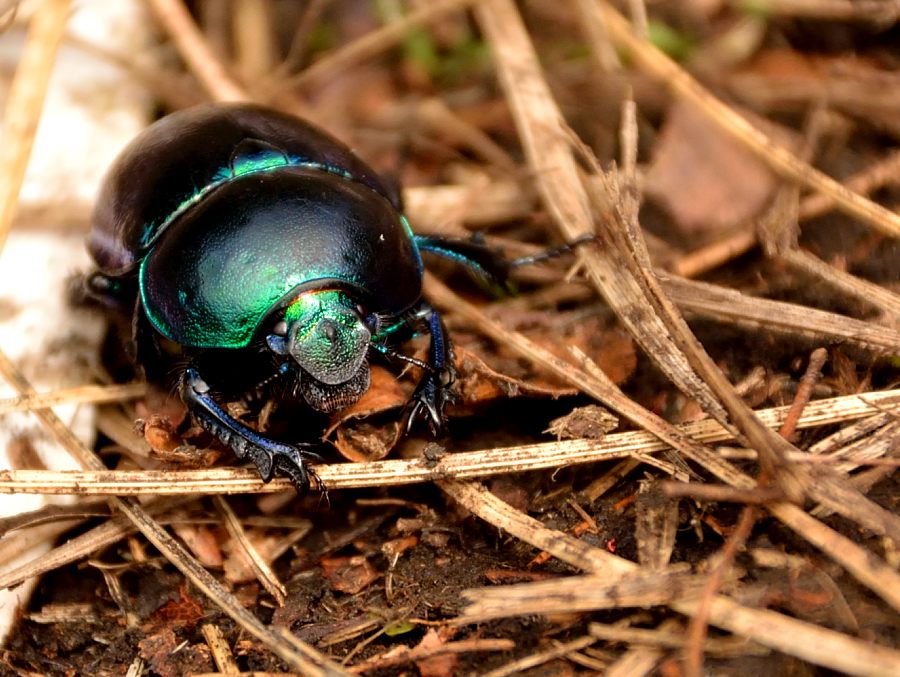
point(370, 320)
point(280, 328)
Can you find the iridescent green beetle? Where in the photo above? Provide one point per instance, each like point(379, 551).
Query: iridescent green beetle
point(251, 249)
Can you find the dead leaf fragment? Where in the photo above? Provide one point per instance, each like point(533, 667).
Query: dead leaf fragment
point(237, 567)
point(441, 665)
point(352, 430)
point(185, 612)
point(349, 574)
point(591, 423)
point(362, 442)
point(478, 382)
point(156, 650)
point(611, 349)
point(202, 542)
point(168, 446)
point(160, 434)
point(706, 180)
point(396, 547)
point(385, 392)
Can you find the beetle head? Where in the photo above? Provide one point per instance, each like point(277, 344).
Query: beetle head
point(324, 333)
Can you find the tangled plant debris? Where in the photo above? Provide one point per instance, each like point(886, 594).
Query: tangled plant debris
point(732, 507)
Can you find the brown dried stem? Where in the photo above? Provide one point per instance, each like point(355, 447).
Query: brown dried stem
point(287, 647)
point(479, 463)
point(192, 46)
point(776, 157)
point(25, 102)
point(816, 645)
point(372, 43)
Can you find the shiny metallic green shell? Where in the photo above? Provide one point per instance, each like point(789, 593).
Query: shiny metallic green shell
point(254, 244)
point(226, 213)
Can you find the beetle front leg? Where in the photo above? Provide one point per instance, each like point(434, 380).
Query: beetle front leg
point(268, 455)
point(435, 390)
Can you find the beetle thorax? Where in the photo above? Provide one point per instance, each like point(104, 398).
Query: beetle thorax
point(325, 336)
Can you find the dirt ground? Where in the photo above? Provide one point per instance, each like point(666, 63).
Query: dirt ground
point(673, 447)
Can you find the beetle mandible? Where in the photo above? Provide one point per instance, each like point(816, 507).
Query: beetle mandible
point(250, 247)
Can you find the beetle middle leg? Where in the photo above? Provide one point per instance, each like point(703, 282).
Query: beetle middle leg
point(268, 455)
point(488, 265)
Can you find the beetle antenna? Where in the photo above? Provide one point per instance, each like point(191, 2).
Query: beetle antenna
point(277, 375)
point(553, 252)
point(391, 353)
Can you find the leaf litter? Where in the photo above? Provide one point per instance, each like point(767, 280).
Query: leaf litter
point(580, 568)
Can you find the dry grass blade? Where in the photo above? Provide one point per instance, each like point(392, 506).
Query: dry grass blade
point(281, 643)
point(372, 43)
point(260, 567)
point(177, 21)
point(807, 641)
point(769, 628)
point(430, 208)
point(420, 653)
point(254, 46)
point(716, 254)
point(462, 465)
point(877, 445)
point(838, 495)
point(92, 394)
point(81, 546)
point(218, 646)
point(881, 173)
point(481, 502)
point(13, 545)
point(637, 588)
point(49, 514)
point(25, 101)
point(547, 146)
point(637, 662)
point(673, 639)
point(777, 157)
point(863, 291)
point(866, 567)
point(752, 313)
point(516, 667)
point(778, 231)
